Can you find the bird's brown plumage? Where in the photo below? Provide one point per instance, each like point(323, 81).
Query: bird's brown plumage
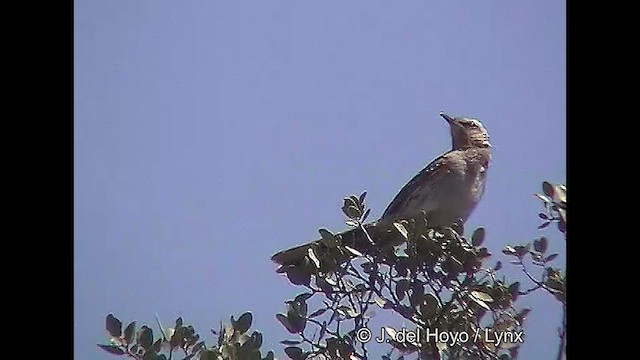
point(447, 189)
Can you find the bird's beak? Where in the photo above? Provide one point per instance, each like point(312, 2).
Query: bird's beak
point(447, 117)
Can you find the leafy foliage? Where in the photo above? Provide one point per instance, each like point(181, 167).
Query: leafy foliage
point(434, 278)
point(233, 341)
point(551, 279)
point(555, 206)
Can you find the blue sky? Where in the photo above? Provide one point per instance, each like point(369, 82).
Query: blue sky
point(211, 134)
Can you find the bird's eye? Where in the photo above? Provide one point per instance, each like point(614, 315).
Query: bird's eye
point(472, 124)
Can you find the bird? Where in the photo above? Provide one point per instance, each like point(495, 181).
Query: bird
point(446, 191)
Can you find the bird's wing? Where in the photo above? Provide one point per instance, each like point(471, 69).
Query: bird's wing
point(429, 175)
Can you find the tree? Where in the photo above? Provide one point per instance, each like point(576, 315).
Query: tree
point(438, 280)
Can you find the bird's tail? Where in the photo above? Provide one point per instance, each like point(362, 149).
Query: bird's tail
point(294, 255)
point(354, 238)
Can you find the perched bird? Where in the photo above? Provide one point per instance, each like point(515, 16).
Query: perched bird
point(447, 189)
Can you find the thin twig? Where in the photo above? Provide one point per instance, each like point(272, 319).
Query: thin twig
point(534, 280)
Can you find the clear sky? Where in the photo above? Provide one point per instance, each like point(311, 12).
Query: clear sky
point(211, 134)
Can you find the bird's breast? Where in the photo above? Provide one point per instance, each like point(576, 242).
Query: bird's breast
point(478, 180)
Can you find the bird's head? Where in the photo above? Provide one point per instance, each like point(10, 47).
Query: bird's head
point(467, 132)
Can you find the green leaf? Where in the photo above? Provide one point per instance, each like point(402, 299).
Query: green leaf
point(177, 336)
point(562, 226)
point(483, 253)
point(482, 296)
point(255, 340)
point(560, 195)
point(522, 250)
point(481, 303)
point(514, 290)
point(150, 355)
point(145, 337)
point(369, 267)
point(563, 215)
point(297, 275)
point(178, 322)
point(290, 342)
point(303, 297)
point(294, 353)
point(430, 305)
point(352, 313)
point(352, 212)
point(352, 223)
point(330, 281)
point(550, 257)
point(244, 323)
point(478, 236)
point(402, 286)
point(113, 326)
point(402, 230)
point(285, 322)
point(555, 281)
point(269, 356)
point(129, 332)
point(366, 214)
point(559, 296)
point(192, 339)
point(248, 353)
point(540, 245)
point(326, 234)
point(197, 347)
point(208, 354)
point(362, 197)
point(156, 346)
point(296, 313)
point(353, 251)
point(522, 315)
point(383, 303)
point(509, 250)
point(354, 201)
point(548, 189)
point(313, 258)
point(543, 198)
point(452, 266)
point(350, 207)
point(221, 332)
point(111, 349)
